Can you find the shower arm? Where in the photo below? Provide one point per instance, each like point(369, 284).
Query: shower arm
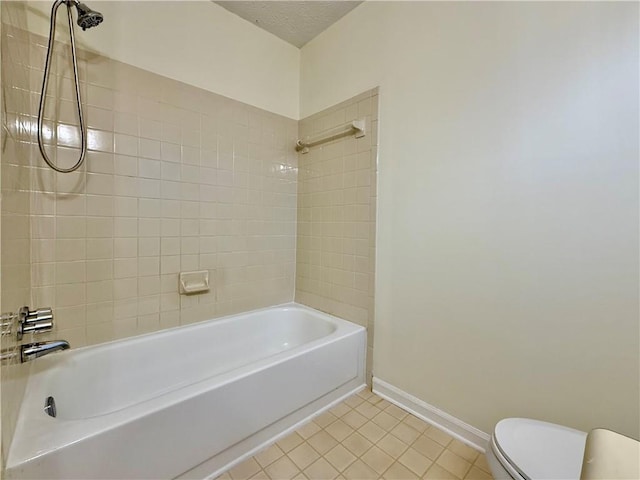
point(45, 82)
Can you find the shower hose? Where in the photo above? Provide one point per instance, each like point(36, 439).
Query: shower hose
point(45, 82)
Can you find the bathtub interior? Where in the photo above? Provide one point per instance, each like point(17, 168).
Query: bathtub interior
point(104, 379)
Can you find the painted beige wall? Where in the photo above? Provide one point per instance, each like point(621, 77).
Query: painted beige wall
point(196, 42)
point(507, 261)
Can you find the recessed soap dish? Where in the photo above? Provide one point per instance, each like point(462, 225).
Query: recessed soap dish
point(194, 282)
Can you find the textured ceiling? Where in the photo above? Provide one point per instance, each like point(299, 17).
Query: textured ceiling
point(294, 22)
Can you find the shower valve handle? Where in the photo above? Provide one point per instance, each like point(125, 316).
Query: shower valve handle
point(37, 327)
point(39, 315)
point(36, 321)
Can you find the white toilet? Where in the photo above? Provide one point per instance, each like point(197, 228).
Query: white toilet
point(525, 449)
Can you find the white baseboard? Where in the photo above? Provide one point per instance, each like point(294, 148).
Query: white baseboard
point(453, 426)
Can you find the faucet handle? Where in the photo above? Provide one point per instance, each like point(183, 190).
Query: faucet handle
point(30, 316)
point(35, 327)
point(36, 321)
point(39, 315)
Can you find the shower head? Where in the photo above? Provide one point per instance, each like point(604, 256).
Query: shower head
point(87, 18)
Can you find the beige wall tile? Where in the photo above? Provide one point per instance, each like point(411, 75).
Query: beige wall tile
point(17, 274)
point(335, 222)
point(134, 217)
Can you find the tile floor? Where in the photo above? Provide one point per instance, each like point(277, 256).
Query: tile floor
point(365, 437)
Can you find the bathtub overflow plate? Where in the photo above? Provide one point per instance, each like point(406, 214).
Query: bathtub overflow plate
point(50, 407)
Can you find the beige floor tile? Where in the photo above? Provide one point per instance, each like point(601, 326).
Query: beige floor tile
point(354, 419)
point(359, 471)
point(416, 423)
point(392, 446)
point(339, 430)
point(321, 470)
point(353, 401)
point(481, 463)
point(368, 410)
point(415, 461)
point(476, 474)
point(308, 430)
point(269, 455)
point(436, 472)
point(365, 393)
point(405, 433)
point(245, 470)
point(322, 442)
point(381, 403)
point(261, 475)
point(357, 444)
point(453, 463)
point(372, 440)
point(386, 421)
point(303, 455)
point(395, 411)
point(290, 442)
point(340, 457)
point(371, 432)
point(377, 459)
point(397, 471)
point(427, 447)
point(462, 450)
point(340, 410)
point(282, 469)
point(325, 419)
point(439, 436)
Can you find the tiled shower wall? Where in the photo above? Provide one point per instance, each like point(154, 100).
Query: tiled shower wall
point(176, 179)
point(15, 209)
point(337, 215)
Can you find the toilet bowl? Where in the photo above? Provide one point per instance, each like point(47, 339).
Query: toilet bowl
point(525, 449)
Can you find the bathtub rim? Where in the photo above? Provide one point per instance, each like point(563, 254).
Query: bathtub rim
point(194, 325)
point(43, 364)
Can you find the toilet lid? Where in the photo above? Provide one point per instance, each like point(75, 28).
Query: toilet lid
point(540, 450)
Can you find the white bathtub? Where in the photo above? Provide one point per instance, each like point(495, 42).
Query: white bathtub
point(187, 402)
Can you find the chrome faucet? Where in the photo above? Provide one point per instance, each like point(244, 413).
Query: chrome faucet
point(31, 351)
